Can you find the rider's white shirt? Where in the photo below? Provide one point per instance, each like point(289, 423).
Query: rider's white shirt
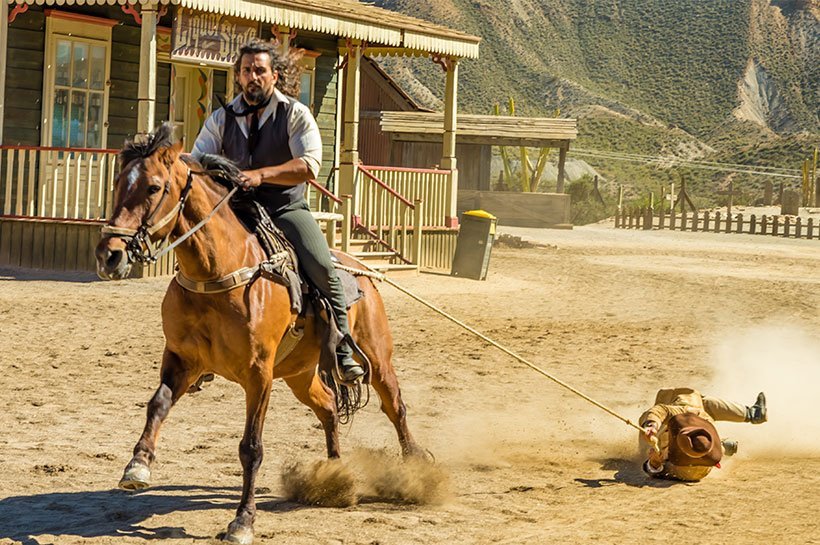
point(304, 139)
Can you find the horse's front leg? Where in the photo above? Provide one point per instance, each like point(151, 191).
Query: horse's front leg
point(257, 395)
point(174, 382)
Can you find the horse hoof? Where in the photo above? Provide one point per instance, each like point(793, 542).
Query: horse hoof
point(136, 477)
point(243, 535)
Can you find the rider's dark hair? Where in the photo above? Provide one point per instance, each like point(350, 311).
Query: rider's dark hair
point(287, 64)
point(163, 137)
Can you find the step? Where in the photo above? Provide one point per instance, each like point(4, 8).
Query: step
point(373, 255)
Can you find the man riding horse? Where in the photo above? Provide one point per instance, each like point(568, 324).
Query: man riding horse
point(275, 140)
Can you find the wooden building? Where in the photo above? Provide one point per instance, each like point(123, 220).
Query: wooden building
point(78, 77)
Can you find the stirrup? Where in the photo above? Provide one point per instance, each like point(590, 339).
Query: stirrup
point(348, 374)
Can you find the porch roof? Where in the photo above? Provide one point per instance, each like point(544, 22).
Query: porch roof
point(348, 19)
point(482, 129)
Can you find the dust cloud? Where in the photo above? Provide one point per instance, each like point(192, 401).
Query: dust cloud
point(783, 361)
point(366, 474)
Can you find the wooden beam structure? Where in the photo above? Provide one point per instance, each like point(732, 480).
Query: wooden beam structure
point(350, 144)
point(147, 87)
point(502, 130)
point(4, 41)
point(448, 154)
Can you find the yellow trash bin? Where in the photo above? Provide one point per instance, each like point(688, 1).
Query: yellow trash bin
point(474, 244)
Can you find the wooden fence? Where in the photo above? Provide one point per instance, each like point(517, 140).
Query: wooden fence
point(715, 222)
point(47, 182)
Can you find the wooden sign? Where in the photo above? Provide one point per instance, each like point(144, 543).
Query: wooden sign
point(209, 38)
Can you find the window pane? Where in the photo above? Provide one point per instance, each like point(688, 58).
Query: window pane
point(97, 67)
point(80, 77)
point(62, 62)
point(94, 134)
point(59, 125)
point(304, 93)
point(77, 120)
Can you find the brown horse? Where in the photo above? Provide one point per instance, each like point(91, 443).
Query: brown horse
point(235, 333)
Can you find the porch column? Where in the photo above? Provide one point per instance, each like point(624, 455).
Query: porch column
point(4, 40)
point(562, 159)
point(448, 154)
point(147, 90)
point(350, 150)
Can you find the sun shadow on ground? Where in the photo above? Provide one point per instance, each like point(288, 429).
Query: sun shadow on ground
point(14, 273)
point(114, 512)
point(627, 472)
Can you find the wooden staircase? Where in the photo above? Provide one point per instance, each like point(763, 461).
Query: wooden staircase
point(371, 254)
point(367, 250)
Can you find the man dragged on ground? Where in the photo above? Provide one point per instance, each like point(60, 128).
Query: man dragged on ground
point(682, 424)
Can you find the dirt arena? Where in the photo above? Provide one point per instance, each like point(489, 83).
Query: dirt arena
point(617, 314)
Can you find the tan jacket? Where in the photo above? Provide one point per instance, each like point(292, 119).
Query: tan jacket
point(671, 402)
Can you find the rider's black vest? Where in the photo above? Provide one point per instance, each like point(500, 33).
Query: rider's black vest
point(271, 149)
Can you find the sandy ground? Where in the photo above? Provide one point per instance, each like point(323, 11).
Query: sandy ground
point(617, 314)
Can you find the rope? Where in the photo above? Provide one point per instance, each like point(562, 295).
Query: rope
point(379, 276)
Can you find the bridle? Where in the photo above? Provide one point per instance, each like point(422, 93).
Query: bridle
point(138, 245)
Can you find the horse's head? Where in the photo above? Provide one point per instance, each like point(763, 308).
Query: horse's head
point(148, 196)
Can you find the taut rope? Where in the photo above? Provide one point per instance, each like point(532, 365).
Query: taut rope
point(379, 276)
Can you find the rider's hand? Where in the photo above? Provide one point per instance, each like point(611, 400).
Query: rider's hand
point(250, 179)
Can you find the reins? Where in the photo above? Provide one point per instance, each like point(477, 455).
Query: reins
point(379, 276)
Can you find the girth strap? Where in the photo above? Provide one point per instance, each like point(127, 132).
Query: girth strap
point(234, 280)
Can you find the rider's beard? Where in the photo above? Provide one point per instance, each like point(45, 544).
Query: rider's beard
point(254, 94)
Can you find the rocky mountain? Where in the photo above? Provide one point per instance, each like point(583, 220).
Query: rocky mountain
point(724, 80)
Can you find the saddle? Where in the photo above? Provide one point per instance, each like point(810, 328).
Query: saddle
point(282, 267)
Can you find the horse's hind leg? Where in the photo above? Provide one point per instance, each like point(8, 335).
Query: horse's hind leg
point(310, 390)
point(174, 382)
point(379, 351)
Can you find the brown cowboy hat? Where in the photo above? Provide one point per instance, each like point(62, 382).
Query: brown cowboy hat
point(693, 441)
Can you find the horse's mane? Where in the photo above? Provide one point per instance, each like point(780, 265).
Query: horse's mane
point(222, 170)
point(163, 137)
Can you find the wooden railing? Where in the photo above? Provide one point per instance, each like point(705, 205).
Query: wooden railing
point(47, 182)
point(387, 216)
point(430, 186)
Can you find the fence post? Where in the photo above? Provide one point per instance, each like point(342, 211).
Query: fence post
point(347, 221)
point(728, 222)
point(672, 219)
point(798, 227)
point(717, 221)
point(739, 229)
point(753, 224)
point(647, 219)
point(775, 225)
point(706, 217)
point(810, 228)
point(764, 220)
point(787, 223)
point(683, 220)
point(695, 221)
point(417, 231)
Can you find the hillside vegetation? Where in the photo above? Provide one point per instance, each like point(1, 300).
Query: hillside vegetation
point(729, 80)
